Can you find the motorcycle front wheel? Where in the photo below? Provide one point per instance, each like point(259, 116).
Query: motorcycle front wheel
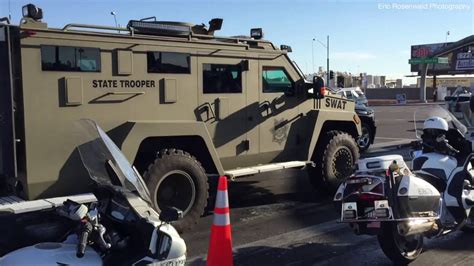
point(399, 249)
point(468, 226)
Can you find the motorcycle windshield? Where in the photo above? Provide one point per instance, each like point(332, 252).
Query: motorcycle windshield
point(104, 161)
point(421, 114)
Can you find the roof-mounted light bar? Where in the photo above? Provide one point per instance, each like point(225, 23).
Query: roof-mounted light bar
point(159, 28)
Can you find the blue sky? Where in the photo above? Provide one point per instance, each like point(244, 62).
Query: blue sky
point(365, 36)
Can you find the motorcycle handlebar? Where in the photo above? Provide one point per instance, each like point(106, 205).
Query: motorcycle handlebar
point(86, 229)
point(451, 148)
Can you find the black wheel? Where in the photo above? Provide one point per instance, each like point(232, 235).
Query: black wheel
point(177, 179)
point(334, 158)
point(364, 140)
point(468, 226)
point(399, 249)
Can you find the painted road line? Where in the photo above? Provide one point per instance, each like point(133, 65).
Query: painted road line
point(393, 138)
point(391, 143)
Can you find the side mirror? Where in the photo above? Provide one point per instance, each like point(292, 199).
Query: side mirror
point(318, 87)
point(471, 103)
point(170, 214)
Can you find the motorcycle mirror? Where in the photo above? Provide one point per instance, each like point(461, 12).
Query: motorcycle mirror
point(170, 214)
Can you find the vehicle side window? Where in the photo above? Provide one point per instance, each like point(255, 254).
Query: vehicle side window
point(222, 78)
point(275, 79)
point(169, 62)
point(66, 58)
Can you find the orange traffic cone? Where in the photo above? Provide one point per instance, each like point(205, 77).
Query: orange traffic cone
point(220, 244)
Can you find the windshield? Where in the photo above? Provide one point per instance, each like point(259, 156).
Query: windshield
point(461, 90)
point(421, 114)
point(102, 158)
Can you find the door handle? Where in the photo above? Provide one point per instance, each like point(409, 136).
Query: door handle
point(208, 108)
point(266, 107)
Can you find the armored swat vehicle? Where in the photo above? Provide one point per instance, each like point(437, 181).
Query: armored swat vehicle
point(183, 104)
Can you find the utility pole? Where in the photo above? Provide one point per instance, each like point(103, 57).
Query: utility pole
point(9, 11)
point(312, 56)
point(327, 58)
point(327, 47)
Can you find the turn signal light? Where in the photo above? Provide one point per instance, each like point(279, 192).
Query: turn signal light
point(323, 91)
point(356, 119)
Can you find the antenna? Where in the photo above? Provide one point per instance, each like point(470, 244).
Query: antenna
point(9, 11)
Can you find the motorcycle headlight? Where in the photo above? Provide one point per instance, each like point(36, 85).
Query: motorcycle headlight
point(164, 245)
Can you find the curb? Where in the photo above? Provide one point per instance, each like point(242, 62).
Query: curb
point(394, 103)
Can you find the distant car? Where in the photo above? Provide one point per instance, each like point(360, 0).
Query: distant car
point(355, 94)
point(367, 117)
point(453, 102)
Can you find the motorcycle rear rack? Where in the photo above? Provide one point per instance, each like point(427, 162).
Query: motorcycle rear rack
point(387, 220)
point(374, 219)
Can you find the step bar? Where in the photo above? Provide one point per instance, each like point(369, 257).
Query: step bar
point(15, 205)
point(239, 172)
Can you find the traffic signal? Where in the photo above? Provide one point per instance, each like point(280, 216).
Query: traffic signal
point(331, 74)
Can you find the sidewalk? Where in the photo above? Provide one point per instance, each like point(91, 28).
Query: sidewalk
point(383, 102)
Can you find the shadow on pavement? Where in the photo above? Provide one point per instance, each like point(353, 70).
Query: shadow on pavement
point(309, 253)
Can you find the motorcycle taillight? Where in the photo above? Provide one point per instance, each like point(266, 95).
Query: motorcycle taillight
point(370, 197)
point(365, 187)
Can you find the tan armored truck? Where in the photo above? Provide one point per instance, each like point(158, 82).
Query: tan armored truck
point(184, 105)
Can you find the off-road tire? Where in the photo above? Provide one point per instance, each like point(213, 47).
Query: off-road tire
point(334, 147)
point(173, 163)
point(389, 242)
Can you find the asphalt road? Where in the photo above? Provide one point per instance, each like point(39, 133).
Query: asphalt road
point(279, 219)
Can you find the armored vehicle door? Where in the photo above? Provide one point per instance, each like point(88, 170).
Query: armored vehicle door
point(279, 106)
point(222, 86)
point(7, 143)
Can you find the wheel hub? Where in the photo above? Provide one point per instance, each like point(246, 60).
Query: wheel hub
point(342, 163)
point(364, 139)
point(407, 245)
point(176, 189)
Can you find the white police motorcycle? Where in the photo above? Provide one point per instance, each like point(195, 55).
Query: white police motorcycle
point(402, 206)
point(121, 228)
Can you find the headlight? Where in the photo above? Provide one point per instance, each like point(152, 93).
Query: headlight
point(164, 245)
